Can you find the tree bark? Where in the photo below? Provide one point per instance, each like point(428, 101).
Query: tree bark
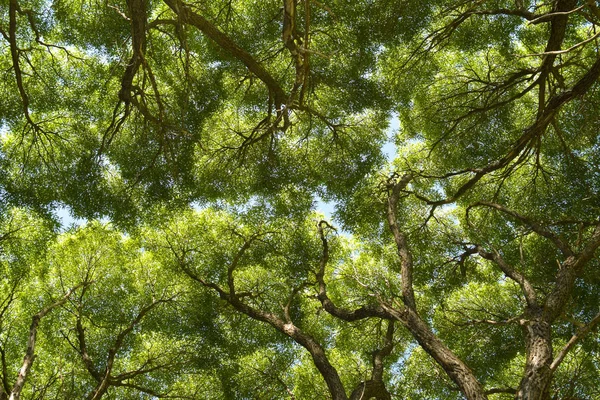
point(456, 369)
point(537, 377)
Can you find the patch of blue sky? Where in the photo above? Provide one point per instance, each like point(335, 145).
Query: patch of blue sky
point(65, 217)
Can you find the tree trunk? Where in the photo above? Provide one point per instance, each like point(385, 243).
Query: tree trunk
point(537, 377)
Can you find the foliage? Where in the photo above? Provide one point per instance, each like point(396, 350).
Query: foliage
point(197, 140)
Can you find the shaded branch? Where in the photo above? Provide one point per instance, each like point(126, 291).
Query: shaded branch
point(107, 379)
point(546, 111)
point(510, 272)
point(566, 275)
point(187, 15)
point(327, 371)
point(581, 333)
point(533, 225)
point(501, 390)
point(31, 342)
point(395, 186)
point(454, 367)
point(87, 360)
point(328, 305)
point(375, 387)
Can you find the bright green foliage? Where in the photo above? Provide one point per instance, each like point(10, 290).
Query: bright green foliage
point(204, 135)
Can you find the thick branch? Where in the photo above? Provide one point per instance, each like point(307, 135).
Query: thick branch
point(529, 136)
point(187, 15)
point(386, 350)
point(565, 278)
point(290, 37)
point(534, 226)
point(328, 372)
point(406, 265)
point(87, 360)
point(137, 11)
point(526, 287)
point(14, 52)
point(581, 333)
point(328, 305)
point(31, 341)
point(5, 386)
point(456, 369)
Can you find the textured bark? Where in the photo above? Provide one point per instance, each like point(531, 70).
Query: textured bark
point(370, 389)
point(328, 372)
point(375, 387)
point(404, 254)
point(454, 367)
point(537, 377)
point(558, 26)
point(138, 17)
point(539, 367)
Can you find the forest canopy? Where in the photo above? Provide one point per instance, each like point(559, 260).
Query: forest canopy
point(197, 140)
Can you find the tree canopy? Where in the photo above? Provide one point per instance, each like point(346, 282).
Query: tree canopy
point(197, 139)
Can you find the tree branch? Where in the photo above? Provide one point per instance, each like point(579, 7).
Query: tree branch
point(456, 369)
point(31, 341)
point(187, 15)
point(328, 372)
point(526, 287)
point(395, 186)
point(107, 380)
point(328, 305)
point(581, 333)
point(533, 225)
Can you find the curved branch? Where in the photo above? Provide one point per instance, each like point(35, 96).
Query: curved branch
point(456, 369)
point(590, 248)
point(533, 132)
point(13, 7)
point(395, 186)
point(31, 342)
point(328, 305)
point(533, 225)
point(107, 380)
point(375, 386)
point(526, 287)
point(137, 10)
point(187, 15)
point(581, 333)
point(566, 275)
point(328, 371)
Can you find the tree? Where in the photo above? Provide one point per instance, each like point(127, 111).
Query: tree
point(206, 132)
